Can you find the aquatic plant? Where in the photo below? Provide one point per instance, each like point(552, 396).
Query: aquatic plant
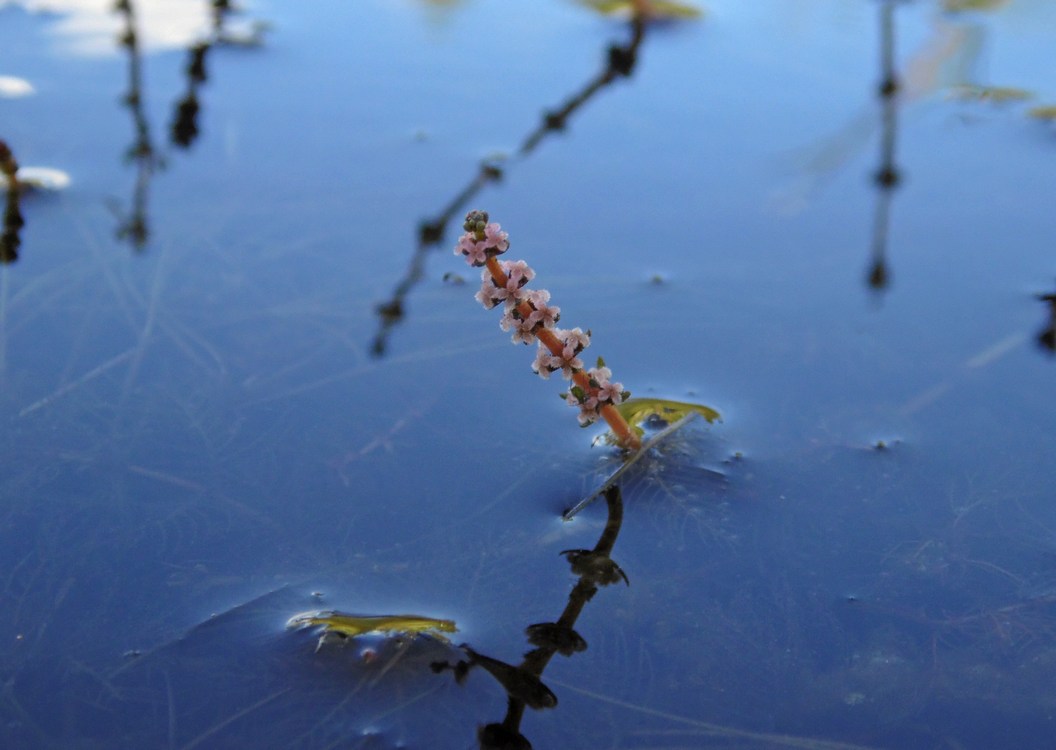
point(531, 318)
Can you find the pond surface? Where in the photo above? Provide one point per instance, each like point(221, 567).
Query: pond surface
point(242, 378)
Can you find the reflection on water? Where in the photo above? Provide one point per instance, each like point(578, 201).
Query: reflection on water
point(142, 152)
point(1047, 335)
point(620, 62)
point(887, 175)
point(88, 27)
point(13, 221)
point(595, 568)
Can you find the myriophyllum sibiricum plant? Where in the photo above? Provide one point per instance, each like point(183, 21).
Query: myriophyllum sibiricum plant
point(530, 318)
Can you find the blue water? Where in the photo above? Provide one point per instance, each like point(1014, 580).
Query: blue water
point(208, 427)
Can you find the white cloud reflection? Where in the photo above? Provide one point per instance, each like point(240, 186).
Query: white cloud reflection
point(92, 27)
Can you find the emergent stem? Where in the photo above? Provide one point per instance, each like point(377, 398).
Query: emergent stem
point(625, 436)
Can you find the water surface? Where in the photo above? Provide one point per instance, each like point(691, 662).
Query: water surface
point(237, 384)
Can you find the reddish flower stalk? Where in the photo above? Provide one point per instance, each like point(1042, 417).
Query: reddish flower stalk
point(530, 317)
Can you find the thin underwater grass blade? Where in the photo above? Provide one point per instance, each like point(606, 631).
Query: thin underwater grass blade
point(634, 458)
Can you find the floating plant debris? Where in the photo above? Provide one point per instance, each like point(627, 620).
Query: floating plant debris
point(340, 625)
point(991, 94)
point(954, 6)
point(1046, 112)
point(658, 9)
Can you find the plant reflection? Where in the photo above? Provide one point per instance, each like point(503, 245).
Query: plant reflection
point(142, 152)
point(184, 131)
point(1047, 336)
point(620, 63)
point(10, 239)
point(523, 685)
point(887, 177)
point(185, 123)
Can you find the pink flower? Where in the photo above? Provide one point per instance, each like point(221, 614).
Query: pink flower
point(543, 315)
point(489, 294)
point(523, 331)
point(517, 275)
point(589, 408)
point(518, 272)
point(606, 392)
point(567, 361)
point(495, 239)
point(589, 402)
point(576, 339)
point(472, 249)
point(611, 393)
point(545, 363)
point(587, 418)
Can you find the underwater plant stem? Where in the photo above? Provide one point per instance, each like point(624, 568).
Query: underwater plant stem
point(625, 436)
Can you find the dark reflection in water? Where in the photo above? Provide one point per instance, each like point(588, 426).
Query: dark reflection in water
point(10, 239)
point(887, 176)
point(185, 130)
point(524, 688)
point(185, 123)
point(1047, 336)
point(134, 227)
point(620, 63)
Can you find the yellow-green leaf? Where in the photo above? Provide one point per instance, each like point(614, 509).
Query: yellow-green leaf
point(653, 8)
point(637, 410)
point(958, 5)
point(1048, 112)
point(351, 626)
point(995, 94)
